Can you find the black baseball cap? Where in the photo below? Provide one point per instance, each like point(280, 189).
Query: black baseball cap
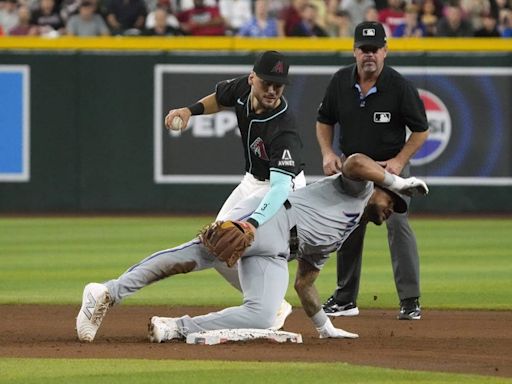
point(272, 66)
point(369, 33)
point(399, 201)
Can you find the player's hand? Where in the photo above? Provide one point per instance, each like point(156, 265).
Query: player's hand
point(392, 165)
point(332, 164)
point(329, 331)
point(181, 113)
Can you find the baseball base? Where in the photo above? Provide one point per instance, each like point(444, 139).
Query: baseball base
point(226, 335)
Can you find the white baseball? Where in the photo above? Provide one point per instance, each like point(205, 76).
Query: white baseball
point(177, 123)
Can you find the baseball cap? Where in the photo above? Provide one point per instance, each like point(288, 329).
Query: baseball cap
point(272, 66)
point(369, 33)
point(399, 201)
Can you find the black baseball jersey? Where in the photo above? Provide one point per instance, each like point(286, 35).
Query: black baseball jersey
point(373, 125)
point(270, 139)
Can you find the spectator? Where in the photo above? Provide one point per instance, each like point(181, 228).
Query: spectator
point(261, 25)
point(489, 26)
point(87, 22)
point(473, 10)
point(452, 24)
point(290, 17)
point(371, 14)
point(393, 15)
point(202, 20)
point(161, 26)
point(506, 26)
point(185, 5)
point(338, 22)
point(356, 9)
point(47, 19)
point(431, 7)
point(126, 17)
point(172, 20)
point(8, 16)
point(23, 28)
point(411, 27)
point(430, 24)
point(308, 26)
point(235, 13)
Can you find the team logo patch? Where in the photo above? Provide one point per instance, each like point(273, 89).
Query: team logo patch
point(440, 128)
point(369, 32)
point(382, 117)
point(286, 159)
point(278, 68)
point(258, 148)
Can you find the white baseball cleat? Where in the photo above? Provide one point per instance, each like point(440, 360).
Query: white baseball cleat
point(95, 304)
point(161, 329)
point(284, 311)
point(414, 186)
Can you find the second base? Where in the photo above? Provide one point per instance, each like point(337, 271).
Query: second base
point(228, 335)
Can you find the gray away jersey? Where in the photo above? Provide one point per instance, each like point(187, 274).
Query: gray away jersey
point(326, 212)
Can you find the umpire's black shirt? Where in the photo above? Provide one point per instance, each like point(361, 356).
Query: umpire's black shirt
point(270, 139)
point(374, 124)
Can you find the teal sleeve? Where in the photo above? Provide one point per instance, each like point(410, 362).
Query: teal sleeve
point(274, 199)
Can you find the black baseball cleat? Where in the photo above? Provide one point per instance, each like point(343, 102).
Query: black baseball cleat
point(332, 308)
point(409, 309)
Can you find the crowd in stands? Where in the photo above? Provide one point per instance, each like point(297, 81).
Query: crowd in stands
point(255, 18)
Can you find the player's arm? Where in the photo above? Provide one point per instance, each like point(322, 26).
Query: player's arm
point(361, 167)
point(308, 294)
point(274, 199)
point(330, 160)
point(412, 145)
point(206, 106)
point(415, 117)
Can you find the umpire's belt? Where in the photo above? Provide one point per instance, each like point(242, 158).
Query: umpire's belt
point(294, 239)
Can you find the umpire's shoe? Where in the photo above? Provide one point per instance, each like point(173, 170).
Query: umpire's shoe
point(95, 304)
point(332, 308)
point(410, 309)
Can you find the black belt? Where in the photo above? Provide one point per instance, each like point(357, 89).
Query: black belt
point(294, 238)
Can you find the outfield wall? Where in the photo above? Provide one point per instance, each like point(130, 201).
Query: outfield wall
point(81, 129)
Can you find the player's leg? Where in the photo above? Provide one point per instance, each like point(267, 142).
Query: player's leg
point(343, 301)
point(406, 265)
point(264, 282)
point(97, 298)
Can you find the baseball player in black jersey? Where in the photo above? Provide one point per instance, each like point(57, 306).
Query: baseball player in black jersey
point(373, 104)
point(272, 145)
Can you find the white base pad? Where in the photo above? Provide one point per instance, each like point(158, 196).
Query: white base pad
point(226, 335)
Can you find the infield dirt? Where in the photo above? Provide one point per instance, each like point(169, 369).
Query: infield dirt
point(474, 342)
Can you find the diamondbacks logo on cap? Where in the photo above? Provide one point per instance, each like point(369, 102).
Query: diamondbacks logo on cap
point(278, 68)
point(369, 32)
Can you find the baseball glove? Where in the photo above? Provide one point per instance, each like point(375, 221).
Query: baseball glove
point(227, 240)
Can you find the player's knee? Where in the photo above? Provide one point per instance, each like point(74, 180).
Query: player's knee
point(261, 316)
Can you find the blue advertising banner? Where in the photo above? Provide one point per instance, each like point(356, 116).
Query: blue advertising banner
point(468, 110)
point(14, 124)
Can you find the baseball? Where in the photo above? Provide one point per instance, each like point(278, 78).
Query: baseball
point(177, 123)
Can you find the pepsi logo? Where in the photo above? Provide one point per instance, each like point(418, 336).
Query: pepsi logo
point(440, 129)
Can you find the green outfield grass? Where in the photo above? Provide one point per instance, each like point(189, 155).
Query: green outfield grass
point(48, 371)
point(464, 263)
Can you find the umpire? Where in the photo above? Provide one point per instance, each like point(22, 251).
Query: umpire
point(373, 104)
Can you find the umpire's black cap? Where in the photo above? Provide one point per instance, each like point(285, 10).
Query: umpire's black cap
point(369, 33)
point(272, 66)
point(399, 201)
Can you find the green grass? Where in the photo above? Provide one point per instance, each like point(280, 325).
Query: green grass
point(464, 263)
point(43, 371)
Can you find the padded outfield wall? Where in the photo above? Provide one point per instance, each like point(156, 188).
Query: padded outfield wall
point(81, 120)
